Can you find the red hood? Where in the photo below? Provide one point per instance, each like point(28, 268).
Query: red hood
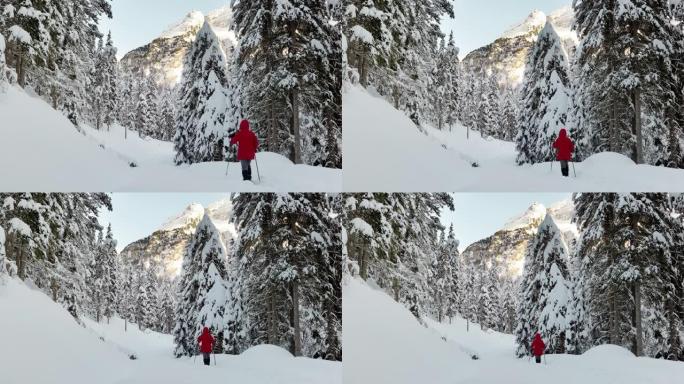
point(563, 133)
point(244, 125)
point(205, 331)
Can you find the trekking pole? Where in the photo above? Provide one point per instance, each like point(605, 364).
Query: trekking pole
point(573, 169)
point(227, 167)
point(257, 167)
point(214, 353)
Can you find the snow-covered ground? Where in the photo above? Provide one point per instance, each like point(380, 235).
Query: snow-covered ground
point(40, 343)
point(41, 151)
point(384, 151)
point(384, 343)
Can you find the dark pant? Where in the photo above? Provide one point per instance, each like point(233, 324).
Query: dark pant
point(246, 169)
point(207, 358)
point(565, 168)
point(537, 359)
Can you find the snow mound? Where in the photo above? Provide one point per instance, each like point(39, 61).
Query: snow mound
point(43, 152)
point(608, 352)
point(266, 352)
point(610, 160)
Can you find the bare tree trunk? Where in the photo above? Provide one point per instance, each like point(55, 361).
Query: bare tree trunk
point(296, 319)
point(363, 69)
point(272, 321)
point(636, 98)
point(363, 263)
point(21, 72)
point(639, 337)
point(294, 98)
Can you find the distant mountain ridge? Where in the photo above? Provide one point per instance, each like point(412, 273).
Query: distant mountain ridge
point(163, 57)
point(507, 55)
point(507, 246)
point(166, 245)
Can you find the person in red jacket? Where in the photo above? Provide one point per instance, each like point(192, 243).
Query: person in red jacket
point(248, 144)
point(206, 344)
point(564, 149)
point(538, 347)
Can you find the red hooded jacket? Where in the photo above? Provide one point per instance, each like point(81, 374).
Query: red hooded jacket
point(538, 345)
point(247, 142)
point(564, 146)
point(206, 341)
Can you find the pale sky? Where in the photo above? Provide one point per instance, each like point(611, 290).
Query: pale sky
point(480, 215)
point(138, 215)
point(138, 22)
point(480, 22)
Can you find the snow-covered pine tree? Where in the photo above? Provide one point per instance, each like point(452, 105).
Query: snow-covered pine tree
point(489, 108)
point(390, 236)
point(3, 64)
point(545, 99)
point(203, 101)
point(625, 248)
point(109, 85)
point(102, 277)
point(544, 295)
point(102, 96)
point(627, 83)
point(167, 114)
point(51, 46)
point(50, 239)
point(147, 114)
point(443, 280)
point(202, 290)
point(489, 312)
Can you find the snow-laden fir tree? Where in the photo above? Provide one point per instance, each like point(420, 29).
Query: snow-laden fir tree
point(167, 114)
point(50, 239)
point(288, 269)
point(390, 238)
point(147, 115)
point(489, 312)
point(51, 47)
point(3, 64)
point(289, 76)
point(202, 289)
point(627, 261)
point(627, 78)
point(545, 291)
point(200, 121)
point(447, 276)
point(545, 98)
point(103, 97)
point(445, 90)
point(102, 283)
point(489, 108)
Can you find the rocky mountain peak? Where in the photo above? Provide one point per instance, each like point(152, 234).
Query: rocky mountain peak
point(162, 58)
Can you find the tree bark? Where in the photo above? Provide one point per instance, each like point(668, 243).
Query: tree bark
point(296, 319)
point(639, 152)
point(639, 337)
point(272, 321)
point(294, 98)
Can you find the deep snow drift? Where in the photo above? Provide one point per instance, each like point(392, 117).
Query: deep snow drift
point(385, 151)
point(41, 151)
point(384, 343)
point(40, 343)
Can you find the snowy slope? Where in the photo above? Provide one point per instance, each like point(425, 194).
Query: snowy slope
point(384, 343)
point(41, 151)
point(67, 353)
point(385, 151)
